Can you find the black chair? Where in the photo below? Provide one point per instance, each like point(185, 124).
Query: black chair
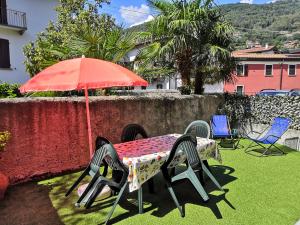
point(130, 133)
point(187, 144)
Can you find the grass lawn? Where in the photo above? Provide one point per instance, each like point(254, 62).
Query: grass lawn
point(258, 191)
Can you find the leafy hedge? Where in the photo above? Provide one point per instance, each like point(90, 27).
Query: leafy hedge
point(9, 90)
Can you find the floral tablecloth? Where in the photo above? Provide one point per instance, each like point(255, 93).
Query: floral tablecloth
point(144, 157)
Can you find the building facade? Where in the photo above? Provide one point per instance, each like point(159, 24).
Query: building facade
point(260, 68)
point(20, 21)
point(174, 81)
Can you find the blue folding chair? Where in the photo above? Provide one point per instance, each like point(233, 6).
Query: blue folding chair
point(220, 129)
point(268, 137)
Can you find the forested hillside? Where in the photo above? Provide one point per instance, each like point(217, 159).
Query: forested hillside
point(274, 23)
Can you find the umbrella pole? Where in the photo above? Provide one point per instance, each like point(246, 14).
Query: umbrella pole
point(88, 118)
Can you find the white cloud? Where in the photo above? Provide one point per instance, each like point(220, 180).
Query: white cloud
point(246, 1)
point(149, 18)
point(134, 15)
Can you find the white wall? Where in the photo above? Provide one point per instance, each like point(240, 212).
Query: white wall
point(175, 81)
point(38, 15)
point(214, 88)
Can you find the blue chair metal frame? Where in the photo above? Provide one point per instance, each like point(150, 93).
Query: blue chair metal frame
point(220, 128)
point(269, 137)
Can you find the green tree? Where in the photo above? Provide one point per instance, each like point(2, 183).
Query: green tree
point(80, 30)
point(193, 36)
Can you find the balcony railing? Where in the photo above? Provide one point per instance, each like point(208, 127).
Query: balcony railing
point(13, 18)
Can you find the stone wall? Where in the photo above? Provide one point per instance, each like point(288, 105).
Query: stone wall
point(262, 110)
point(254, 112)
point(49, 135)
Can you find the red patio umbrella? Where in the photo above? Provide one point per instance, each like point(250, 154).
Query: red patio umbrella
point(83, 73)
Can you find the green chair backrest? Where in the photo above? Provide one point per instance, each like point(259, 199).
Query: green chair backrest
point(198, 128)
point(186, 143)
point(97, 160)
point(112, 159)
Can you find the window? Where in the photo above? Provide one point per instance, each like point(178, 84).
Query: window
point(240, 90)
point(292, 70)
point(3, 12)
point(269, 70)
point(159, 86)
point(242, 70)
point(4, 54)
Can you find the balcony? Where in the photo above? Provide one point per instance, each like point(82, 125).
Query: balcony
point(13, 20)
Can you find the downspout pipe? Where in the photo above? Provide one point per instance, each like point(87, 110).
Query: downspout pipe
point(281, 74)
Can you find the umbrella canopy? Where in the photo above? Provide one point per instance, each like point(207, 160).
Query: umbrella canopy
point(83, 73)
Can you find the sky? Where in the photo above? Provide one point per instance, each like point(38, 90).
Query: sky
point(133, 12)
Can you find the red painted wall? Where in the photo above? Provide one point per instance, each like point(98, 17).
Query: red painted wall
point(49, 135)
point(256, 79)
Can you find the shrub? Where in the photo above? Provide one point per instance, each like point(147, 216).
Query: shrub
point(185, 90)
point(4, 137)
point(9, 90)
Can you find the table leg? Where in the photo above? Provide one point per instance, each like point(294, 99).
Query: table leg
point(140, 199)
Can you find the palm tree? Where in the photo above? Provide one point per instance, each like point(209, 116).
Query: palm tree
point(111, 44)
point(193, 36)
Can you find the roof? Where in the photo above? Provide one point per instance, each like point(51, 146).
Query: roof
point(256, 49)
point(294, 51)
point(264, 56)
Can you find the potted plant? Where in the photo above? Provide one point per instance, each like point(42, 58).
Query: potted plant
point(4, 181)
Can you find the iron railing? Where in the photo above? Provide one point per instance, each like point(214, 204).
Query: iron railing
point(13, 18)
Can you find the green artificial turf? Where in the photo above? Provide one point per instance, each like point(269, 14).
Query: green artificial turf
point(258, 191)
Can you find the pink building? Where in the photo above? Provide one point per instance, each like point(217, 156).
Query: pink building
point(261, 68)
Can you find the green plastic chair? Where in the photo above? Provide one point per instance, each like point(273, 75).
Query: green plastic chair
point(198, 128)
point(93, 169)
point(187, 144)
point(113, 161)
point(107, 156)
point(131, 131)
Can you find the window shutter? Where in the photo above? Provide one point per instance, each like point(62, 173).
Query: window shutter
point(4, 54)
point(3, 12)
point(246, 70)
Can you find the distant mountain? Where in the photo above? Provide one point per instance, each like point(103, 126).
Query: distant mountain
point(275, 23)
